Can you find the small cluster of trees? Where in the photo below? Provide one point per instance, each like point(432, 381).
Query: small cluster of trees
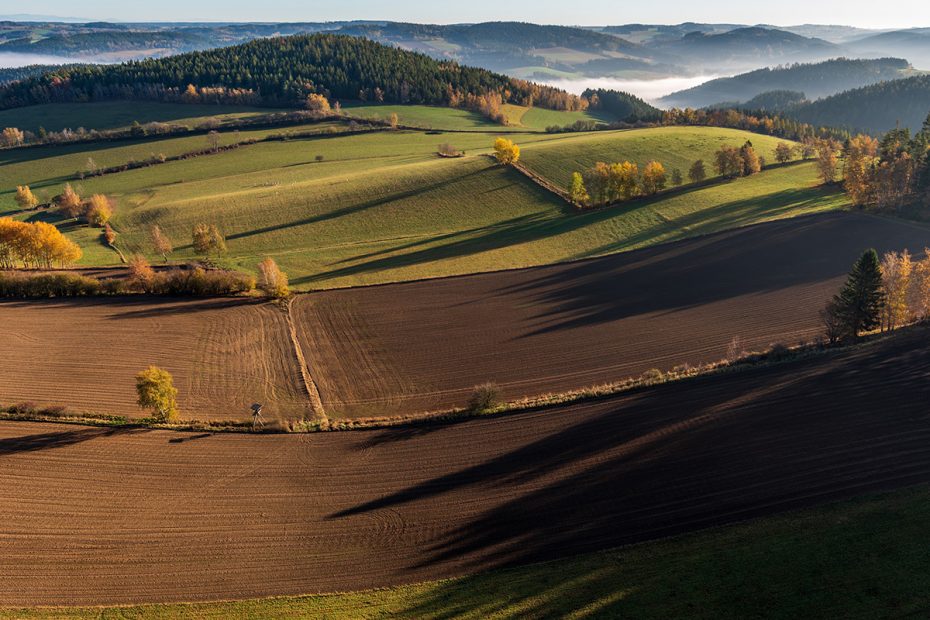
point(732, 162)
point(34, 245)
point(890, 173)
point(884, 294)
point(206, 240)
point(607, 183)
point(96, 210)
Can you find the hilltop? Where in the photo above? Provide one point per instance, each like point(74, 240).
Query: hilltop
point(282, 71)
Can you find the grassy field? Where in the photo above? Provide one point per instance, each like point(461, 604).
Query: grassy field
point(865, 558)
point(46, 169)
point(382, 207)
point(427, 117)
point(674, 147)
point(116, 114)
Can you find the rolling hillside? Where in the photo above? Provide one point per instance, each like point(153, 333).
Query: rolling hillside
point(282, 71)
point(875, 109)
point(814, 80)
point(383, 207)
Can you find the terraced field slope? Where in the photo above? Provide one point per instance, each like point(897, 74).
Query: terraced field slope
point(224, 354)
point(98, 516)
point(424, 346)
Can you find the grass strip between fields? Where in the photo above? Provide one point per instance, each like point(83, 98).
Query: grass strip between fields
point(868, 557)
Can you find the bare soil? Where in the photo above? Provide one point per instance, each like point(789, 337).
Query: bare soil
point(423, 346)
point(97, 516)
point(224, 355)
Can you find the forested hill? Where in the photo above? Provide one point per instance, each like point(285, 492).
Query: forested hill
point(815, 80)
point(874, 109)
point(283, 71)
point(13, 74)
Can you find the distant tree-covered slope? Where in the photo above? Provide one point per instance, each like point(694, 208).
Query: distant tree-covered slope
point(746, 47)
point(814, 80)
point(91, 44)
point(874, 109)
point(623, 106)
point(21, 73)
point(775, 101)
point(283, 71)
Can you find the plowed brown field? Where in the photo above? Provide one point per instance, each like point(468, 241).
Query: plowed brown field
point(225, 354)
point(421, 346)
point(95, 516)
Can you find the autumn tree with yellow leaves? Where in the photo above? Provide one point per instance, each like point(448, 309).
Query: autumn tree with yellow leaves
point(506, 152)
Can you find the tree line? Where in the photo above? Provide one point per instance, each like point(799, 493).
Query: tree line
point(881, 293)
point(891, 173)
point(34, 244)
point(608, 183)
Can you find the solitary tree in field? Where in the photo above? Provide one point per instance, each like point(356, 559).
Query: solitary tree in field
point(213, 140)
point(160, 243)
point(207, 239)
point(859, 305)
point(156, 391)
point(69, 203)
point(676, 177)
point(783, 152)
point(579, 193)
point(697, 172)
point(25, 198)
point(506, 152)
point(394, 120)
point(98, 211)
point(272, 280)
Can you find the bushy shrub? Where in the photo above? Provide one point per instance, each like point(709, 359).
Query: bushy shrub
point(180, 282)
point(36, 285)
point(485, 397)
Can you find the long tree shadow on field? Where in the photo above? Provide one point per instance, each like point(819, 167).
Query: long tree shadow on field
point(685, 456)
point(139, 306)
point(543, 225)
point(58, 439)
point(756, 259)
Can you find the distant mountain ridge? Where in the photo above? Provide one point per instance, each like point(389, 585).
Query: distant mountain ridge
point(815, 80)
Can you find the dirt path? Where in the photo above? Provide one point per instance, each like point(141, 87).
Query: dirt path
point(96, 516)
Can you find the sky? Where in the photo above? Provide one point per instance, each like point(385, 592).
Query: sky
point(862, 13)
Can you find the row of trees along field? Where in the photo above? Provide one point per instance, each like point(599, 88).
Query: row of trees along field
point(891, 173)
point(282, 71)
point(604, 183)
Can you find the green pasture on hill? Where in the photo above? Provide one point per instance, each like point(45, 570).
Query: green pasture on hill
point(674, 147)
point(380, 207)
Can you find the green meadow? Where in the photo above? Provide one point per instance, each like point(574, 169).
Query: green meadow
point(342, 210)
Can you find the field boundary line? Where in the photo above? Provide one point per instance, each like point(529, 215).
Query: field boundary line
point(313, 394)
point(842, 212)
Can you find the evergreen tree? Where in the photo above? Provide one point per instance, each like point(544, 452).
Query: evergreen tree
point(859, 304)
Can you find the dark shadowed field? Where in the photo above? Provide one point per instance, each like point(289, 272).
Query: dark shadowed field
point(97, 516)
point(423, 346)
